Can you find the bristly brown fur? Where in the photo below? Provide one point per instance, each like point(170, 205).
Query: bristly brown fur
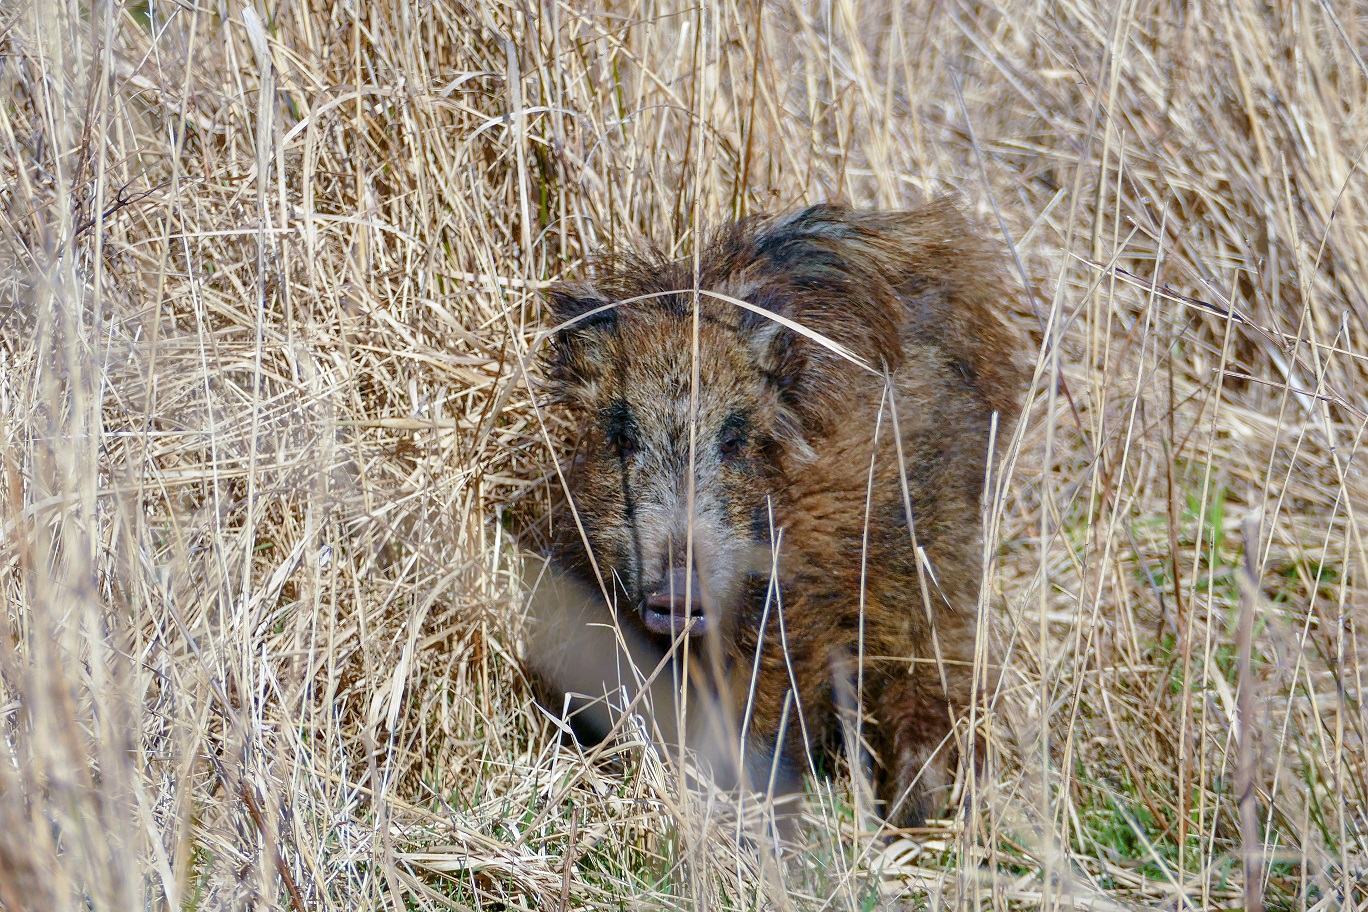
point(790, 443)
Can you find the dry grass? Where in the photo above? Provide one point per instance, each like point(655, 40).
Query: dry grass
point(269, 421)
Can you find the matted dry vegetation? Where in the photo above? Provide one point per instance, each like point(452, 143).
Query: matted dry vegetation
point(273, 445)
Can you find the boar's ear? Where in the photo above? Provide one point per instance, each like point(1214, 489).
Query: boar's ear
point(811, 268)
point(775, 349)
point(580, 305)
point(819, 270)
point(582, 320)
point(782, 356)
point(873, 281)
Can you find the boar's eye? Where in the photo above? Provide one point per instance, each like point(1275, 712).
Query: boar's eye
point(733, 436)
point(618, 428)
point(623, 443)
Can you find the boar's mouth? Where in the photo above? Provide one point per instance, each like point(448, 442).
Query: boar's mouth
point(677, 605)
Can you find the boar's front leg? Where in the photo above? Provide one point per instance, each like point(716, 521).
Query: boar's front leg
point(914, 710)
point(781, 692)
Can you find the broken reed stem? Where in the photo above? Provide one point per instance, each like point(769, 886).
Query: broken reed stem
point(1246, 785)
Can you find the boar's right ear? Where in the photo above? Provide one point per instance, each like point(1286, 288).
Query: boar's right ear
point(782, 357)
point(581, 319)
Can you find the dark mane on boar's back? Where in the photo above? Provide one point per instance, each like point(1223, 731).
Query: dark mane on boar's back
point(765, 492)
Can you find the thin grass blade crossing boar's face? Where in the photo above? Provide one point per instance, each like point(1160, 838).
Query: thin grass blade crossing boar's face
point(672, 469)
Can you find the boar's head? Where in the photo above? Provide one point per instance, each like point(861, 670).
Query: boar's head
point(693, 398)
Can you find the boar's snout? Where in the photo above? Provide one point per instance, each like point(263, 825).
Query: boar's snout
point(677, 605)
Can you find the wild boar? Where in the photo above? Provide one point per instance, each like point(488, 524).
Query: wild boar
point(767, 438)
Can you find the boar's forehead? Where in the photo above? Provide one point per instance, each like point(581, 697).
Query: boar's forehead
point(656, 358)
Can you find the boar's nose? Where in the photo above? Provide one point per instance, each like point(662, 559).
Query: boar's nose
point(676, 605)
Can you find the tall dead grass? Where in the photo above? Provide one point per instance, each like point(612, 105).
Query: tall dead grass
point(272, 442)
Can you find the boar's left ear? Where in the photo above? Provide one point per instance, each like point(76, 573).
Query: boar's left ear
point(581, 319)
point(580, 305)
